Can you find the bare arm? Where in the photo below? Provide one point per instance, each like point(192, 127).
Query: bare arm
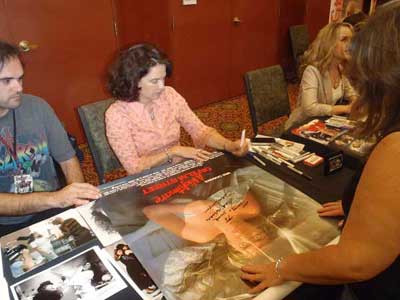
point(369, 242)
point(217, 141)
point(22, 204)
point(76, 193)
point(72, 170)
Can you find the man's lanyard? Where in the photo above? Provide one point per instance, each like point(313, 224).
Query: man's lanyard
point(14, 151)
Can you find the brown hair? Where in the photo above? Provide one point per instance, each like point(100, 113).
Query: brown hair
point(7, 52)
point(130, 66)
point(320, 52)
point(375, 70)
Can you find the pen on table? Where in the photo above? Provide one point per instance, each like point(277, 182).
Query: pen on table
point(257, 159)
point(280, 162)
point(242, 138)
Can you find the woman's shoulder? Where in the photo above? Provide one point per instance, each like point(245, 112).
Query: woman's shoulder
point(117, 109)
point(391, 141)
point(173, 96)
point(387, 149)
point(171, 92)
point(311, 69)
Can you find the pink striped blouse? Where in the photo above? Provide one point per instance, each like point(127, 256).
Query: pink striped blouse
point(133, 135)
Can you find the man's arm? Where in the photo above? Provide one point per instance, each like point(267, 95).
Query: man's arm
point(22, 204)
point(72, 170)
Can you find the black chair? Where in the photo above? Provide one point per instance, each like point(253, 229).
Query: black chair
point(268, 97)
point(92, 118)
point(299, 40)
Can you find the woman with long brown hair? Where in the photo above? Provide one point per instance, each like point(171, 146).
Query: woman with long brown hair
point(368, 252)
point(323, 85)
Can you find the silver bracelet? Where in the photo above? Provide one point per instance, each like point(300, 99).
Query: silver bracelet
point(277, 264)
point(169, 159)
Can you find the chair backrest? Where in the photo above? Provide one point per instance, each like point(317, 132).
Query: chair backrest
point(299, 39)
point(92, 118)
point(267, 95)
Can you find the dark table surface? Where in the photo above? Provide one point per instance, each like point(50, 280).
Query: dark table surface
point(352, 159)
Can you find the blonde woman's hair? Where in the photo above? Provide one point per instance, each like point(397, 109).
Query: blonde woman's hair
point(320, 52)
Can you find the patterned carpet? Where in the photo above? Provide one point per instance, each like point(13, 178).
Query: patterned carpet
point(229, 117)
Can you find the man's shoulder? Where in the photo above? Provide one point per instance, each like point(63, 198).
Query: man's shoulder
point(33, 102)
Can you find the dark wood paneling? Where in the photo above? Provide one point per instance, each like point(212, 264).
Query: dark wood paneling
point(143, 21)
point(76, 41)
point(4, 32)
point(200, 49)
point(254, 40)
point(317, 15)
point(292, 12)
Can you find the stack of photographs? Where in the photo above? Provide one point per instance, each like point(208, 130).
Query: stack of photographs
point(319, 131)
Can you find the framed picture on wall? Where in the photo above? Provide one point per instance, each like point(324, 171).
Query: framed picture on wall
point(340, 9)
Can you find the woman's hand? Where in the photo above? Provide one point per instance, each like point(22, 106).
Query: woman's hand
point(236, 149)
point(190, 152)
point(341, 109)
point(264, 275)
point(331, 209)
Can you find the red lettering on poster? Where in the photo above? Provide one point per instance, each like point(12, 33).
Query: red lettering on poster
point(185, 182)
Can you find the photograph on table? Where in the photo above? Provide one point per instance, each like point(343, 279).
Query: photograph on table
point(88, 275)
point(42, 242)
point(99, 223)
point(127, 264)
point(354, 144)
point(193, 225)
point(319, 131)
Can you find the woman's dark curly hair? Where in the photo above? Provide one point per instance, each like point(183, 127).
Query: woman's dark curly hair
point(130, 66)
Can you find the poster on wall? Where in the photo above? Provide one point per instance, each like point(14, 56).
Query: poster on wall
point(341, 9)
point(193, 225)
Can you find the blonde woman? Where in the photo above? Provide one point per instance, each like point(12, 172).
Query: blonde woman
point(323, 84)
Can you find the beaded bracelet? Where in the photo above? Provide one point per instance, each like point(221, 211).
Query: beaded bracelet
point(277, 264)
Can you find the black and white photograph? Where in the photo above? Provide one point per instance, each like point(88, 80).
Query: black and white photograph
point(128, 264)
point(42, 242)
point(99, 223)
point(86, 276)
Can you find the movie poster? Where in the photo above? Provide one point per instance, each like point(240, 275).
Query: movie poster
point(193, 225)
point(341, 9)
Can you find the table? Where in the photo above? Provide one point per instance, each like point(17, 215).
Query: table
point(320, 188)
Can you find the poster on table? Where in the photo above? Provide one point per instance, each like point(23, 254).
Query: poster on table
point(85, 276)
point(40, 243)
point(193, 225)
